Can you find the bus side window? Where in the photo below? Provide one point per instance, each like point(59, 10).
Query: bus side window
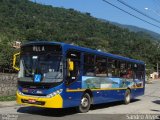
point(89, 65)
point(138, 75)
point(73, 56)
point(123, 71)
point(139, 72)
point(101, 66)
point(109, 67)
point(116, 68)
point(129, 71)
point(126, 70)
point(113, 68)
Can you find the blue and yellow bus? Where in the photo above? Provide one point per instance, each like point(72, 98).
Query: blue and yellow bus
point(59, 75)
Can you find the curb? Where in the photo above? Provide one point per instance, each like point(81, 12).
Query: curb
point(8, 103)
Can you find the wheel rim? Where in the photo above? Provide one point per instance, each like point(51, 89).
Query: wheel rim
point(84, 102)
point(128, 97)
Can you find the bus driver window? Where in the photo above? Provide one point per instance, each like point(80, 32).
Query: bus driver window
point(73, 59)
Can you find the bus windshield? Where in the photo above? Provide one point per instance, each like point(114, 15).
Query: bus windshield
point(49, 65)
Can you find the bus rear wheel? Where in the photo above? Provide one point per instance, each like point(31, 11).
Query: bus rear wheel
point(85, 103)
point(127, 97)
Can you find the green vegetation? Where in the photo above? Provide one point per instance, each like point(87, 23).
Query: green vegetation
point(138, 29)
point(23, 20)
point(8, 98)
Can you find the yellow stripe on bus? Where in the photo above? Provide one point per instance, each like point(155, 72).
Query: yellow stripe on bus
point(81, 90)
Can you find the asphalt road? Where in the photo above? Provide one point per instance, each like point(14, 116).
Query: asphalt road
point(147, 106)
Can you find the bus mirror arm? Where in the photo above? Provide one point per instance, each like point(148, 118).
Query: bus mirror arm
point(14, 61)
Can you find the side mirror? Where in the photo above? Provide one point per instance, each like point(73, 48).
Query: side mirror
point(70, 65)
point(14, 61)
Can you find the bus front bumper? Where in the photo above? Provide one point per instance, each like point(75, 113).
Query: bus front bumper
point(53, 102)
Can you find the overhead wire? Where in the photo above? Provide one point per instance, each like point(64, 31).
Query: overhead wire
point(124, 3)
point(130, 14)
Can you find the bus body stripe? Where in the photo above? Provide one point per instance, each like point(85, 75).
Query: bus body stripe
point(81, 90)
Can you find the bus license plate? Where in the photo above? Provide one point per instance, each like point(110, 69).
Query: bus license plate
point(31, 101)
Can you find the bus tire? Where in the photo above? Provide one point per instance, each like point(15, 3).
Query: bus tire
point(85, 103)
point(127, 97)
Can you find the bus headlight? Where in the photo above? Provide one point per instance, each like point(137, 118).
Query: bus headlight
point(55, 93)
point(19, 92)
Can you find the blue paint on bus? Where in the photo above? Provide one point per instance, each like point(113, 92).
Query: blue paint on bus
point(109, 89)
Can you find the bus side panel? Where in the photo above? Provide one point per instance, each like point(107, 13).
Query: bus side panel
point(137, 92)
point(72, 99)
point(73, 94)
point(108, 96)
point(114, 95)
point(117, 95)
point(97, 97)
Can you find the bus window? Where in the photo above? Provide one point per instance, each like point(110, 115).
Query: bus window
point(109, 67)
point(126, 70)
point(129, 71)
point(89, 65)
point(101, 66)
point(138, 75)
point(139, 72)
point(123, 71)
point(73, 56)
point(113, 68)
point(116, 68)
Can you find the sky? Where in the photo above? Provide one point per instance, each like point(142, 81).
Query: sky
point(103, 10)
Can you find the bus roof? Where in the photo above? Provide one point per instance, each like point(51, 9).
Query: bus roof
point(87, 50)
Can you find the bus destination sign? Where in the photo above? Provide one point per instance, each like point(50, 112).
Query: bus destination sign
point(38, 48)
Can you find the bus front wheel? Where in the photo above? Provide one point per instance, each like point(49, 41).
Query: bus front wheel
point(127, 97)
point(85, 103)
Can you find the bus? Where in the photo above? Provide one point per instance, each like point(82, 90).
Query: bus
point(60, 75)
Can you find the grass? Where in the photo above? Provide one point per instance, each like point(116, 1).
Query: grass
point(8, 98)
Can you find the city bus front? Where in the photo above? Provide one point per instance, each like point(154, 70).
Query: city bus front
point(40, 78)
